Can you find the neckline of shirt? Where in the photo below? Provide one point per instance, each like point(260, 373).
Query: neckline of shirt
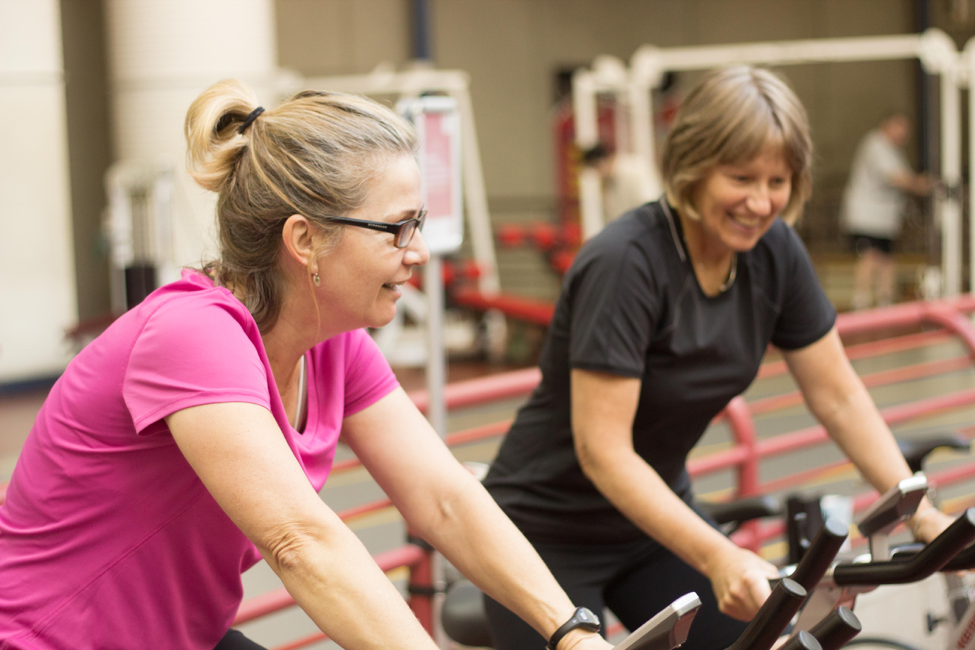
point(677, 233)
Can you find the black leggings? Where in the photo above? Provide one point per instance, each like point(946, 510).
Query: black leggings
point(234, 640)
point(634, 580)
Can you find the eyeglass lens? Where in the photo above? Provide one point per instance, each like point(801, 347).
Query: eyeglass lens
point(405, 235)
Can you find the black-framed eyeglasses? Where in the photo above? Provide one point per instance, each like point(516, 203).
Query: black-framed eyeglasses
point(402, 231)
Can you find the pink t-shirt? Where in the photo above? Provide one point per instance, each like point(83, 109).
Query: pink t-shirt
point(107, 538)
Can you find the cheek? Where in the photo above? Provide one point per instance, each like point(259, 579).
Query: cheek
point(781, 199)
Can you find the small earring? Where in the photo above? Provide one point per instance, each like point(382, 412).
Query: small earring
point(317, 280)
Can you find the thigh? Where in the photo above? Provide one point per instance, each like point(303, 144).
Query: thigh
point(234, 640)
point(656, 581)
point(511, 633)
point(580, 572)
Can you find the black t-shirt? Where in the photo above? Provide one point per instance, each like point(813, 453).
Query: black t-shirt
point(631, 306)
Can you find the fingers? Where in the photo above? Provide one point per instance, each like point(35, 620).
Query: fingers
point(743, 590)
point(745, 596)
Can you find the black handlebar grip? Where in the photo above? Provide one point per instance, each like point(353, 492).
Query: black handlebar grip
point(930, 559)
point(802, 641)
point(964, 561)
point(771, 619)
point(819, 556)
point(836, 630)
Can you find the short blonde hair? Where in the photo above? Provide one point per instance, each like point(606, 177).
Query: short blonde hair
point(729, 117)
point(313, 155)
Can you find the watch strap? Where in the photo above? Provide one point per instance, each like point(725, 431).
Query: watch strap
point(581, 618)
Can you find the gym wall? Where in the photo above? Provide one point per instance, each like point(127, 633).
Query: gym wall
point(512, 49)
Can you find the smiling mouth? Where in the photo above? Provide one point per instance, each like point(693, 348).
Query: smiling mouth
point(749, 224)
point(393, 286)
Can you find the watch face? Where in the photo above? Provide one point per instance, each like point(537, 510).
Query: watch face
point(586, 616)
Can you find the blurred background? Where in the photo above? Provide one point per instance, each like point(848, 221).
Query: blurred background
point(93, 94)
point(88, 84)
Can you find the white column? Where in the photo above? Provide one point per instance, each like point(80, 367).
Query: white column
point(969, 59)
point(162, 55)
point(951, 239)
point(37, 293)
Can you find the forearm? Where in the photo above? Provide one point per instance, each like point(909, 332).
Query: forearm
point(475, 536)
point(840, 401)
point(854, 423)
point(860, 431)
point(336, 582)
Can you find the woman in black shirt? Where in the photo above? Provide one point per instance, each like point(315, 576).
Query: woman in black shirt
point(664, 317)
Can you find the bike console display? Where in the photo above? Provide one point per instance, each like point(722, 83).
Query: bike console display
point(668, 629)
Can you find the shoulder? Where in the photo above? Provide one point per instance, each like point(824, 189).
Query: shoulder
point(195, 302)
point(636, 237)
point(778, 249)
point(193, 315)
point(878, 146)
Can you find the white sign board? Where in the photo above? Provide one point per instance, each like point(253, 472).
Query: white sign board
point(437, 123)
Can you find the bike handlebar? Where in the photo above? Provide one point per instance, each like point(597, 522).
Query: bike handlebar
point(932, 558)
point(772, 618)
point(819, 556)
point(837, 629)
point(963, 561)
point(802, 641)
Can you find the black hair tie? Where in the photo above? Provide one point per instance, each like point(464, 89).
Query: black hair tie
point(250, 119)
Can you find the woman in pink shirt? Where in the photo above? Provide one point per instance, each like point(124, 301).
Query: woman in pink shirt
point(191, 438)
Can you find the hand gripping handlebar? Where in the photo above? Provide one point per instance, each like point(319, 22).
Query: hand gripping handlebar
point(932, 558)
point(772, 618)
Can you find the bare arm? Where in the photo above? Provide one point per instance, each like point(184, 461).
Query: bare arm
point(241, 456)
point(603, 408)
point(917, 184)
point(450, 509)
point(840, 401)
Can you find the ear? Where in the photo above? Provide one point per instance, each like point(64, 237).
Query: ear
point(298, 237)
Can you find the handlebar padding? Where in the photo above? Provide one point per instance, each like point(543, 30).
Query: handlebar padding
point(836, 630)
point(820, 554)
point(772, 618)
point(932, 558)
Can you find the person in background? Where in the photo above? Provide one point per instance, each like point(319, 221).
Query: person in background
point(664, 317)
point(190, 439)
point(625, 179)
point(873, 206)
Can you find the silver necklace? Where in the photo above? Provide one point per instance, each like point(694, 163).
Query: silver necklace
point(731, 274)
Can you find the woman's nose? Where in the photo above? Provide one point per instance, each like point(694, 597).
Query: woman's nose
point(417, 252)
point(760, 201)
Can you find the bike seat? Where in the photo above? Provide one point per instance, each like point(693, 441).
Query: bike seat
point(916, 451)
point(743, 509)
point(463, 616)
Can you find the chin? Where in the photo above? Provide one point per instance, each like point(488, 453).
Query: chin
point(745, 246)
point(381, 320)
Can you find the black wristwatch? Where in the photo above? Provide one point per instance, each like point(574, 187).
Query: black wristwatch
point(583, 618)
